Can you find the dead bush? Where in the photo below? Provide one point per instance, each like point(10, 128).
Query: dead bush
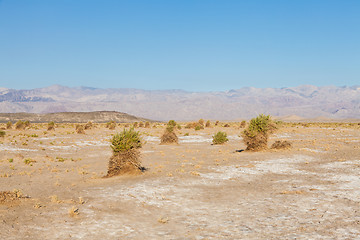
point(79, 129)
point(281, 145)
point(147, 125)
point(20, 125)
point(88, 125)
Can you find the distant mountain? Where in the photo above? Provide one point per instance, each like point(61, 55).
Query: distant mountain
point(305, 101)
point(71, 117)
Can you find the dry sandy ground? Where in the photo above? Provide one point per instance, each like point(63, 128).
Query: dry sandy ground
point(193, 190)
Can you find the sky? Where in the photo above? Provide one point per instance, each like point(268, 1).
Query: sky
point(194, 45)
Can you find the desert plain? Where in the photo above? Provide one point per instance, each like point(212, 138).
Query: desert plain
point(190, 190)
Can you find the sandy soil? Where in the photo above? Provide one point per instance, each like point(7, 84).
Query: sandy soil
point(193, 190)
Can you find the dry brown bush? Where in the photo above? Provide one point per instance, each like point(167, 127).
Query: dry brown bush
point(88, 125)
point(281, 145)
point(208, 124)
point(147, 125)
point(125, 162)
point(169, 137)
point(79, 129)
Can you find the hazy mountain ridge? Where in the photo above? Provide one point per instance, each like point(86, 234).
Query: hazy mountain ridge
point(306, 101)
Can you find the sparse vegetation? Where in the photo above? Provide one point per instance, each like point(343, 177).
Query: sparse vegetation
point(88, 125)
point(20, 125)
point(281, 145)
point(80, 129)
point(125, 158)
point(208, 124)
point(111, 125)
point(9, 125)
point(51, 126)
point(220, 138)
point(169, 135)
point(256, 135)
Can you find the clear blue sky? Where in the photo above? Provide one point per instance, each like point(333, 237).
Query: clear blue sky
point(196, 45)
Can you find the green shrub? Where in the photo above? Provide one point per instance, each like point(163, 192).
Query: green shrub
point(169, 135)
point(257, 133)
point(243, 124)
point(198, 127)
point(125, 158)
point(126, 140)
point(51, 126)
point(207, 123)
point(220, 138)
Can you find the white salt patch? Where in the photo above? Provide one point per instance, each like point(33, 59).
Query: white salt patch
point(152, 139)
point(92, 143)
point(194, 139)
point(234, 137)
point(313, 150)
point(15, 149)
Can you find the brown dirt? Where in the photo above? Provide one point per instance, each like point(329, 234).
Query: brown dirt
point(193, 190)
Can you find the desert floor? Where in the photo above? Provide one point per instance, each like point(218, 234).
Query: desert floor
point(193, 190)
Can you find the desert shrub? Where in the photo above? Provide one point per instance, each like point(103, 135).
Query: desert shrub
point(51, 126)
point(27, 123)
point(9, 125)
point(126, 140)
point(169, 136)
point(257, 133)
point(135, 124)
point(2, 133)
point(281, 145)
point(243, 124)
point(88, 125)
point(217, 123)
point(197, 127)
point(220, 138)
point(227, 125)
point(80, 129)
point(111, 125)
point(178, 126)
point(201, 122)
point(141, 124)
point(19, 125)
point(207, 124)
point(125, 158)
point(147, 125)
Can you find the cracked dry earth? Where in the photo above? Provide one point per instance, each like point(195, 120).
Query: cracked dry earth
point(191, 191)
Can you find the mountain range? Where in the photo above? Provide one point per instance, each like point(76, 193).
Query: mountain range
point(305, 101)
